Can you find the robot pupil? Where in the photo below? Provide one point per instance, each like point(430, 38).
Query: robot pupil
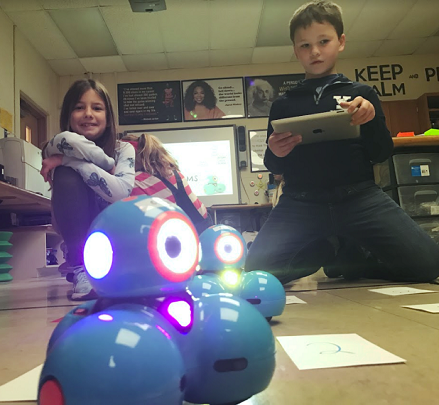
point(173, 246)
point(227, 248)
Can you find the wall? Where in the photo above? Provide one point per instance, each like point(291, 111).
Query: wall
point(395, 78)
point(32, 75)
point(6, 65)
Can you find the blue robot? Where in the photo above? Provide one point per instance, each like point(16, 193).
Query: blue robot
point(147, 339)
point(222, 256)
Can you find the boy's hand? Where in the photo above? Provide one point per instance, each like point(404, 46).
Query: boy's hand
point(49, 164)
point(281, 144)
point(365, 110)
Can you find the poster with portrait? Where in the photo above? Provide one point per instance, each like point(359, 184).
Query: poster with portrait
point(257, 142)
point(261, 91)
point(149, 103)
point(213, 99)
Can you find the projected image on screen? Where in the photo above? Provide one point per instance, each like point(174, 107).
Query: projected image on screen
point(207, 158)
point(210, 172)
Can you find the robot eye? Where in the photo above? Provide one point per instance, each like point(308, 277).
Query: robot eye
point(173, 246)
point(98, 255)
point(229, 248)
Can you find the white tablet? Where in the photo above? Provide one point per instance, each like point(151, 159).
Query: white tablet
point(328, 126)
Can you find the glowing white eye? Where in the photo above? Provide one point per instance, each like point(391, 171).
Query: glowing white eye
point(229, 248)
point(98, 255)
point(173, 246)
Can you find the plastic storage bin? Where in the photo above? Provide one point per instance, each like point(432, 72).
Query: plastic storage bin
point(416, 168)
point(431, 226)
point(419, 200)
point(381, 173)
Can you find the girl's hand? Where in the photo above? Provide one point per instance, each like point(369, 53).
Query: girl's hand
point(49, 164)
point(365, 110)
point(113, 170)
point(281, 144)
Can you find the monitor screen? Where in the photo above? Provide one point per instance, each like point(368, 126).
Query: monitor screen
point(207, 157)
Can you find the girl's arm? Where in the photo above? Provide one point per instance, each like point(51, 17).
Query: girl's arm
point(110, 187)
point(72, 145)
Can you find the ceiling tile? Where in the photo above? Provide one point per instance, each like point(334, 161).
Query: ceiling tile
point(274, 24)
point(350, 11)
point(22, 5)
point(61, 4)
point(104, 64)
point(234, 24)
point(67, 67)
point(43, 34)
point(231, 57)
point(185, 25)
point(139, 63)
point(133, 33)
point(114, 3)
point(430, 46)
point(421, 21)
point(359, 49)
point(86, 31)
point(273, 54)
point(394, 47)
point(182, 60)
point(378, 19)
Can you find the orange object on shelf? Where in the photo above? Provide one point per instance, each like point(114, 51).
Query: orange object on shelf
point(405, 134)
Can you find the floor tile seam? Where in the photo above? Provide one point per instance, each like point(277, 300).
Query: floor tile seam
point(389, 313)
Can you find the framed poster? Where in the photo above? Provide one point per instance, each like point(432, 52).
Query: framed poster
point(257, 143)
point(213, 99)
point(149, 103)
point(263, 90)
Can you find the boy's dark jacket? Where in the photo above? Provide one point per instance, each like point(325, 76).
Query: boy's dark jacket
point(329, 164)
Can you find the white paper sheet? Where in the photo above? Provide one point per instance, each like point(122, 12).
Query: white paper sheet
point(401, 291)
point(432, 308)
point(23, 388)
point(292, 299)
point(328, 351)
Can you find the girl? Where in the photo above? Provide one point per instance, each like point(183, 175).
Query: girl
point(200, 102)
point(157, 174)
point(88, 170)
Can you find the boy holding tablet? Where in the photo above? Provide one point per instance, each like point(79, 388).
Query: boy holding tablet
point(329, 193)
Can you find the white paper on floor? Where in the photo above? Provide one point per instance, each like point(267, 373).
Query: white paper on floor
point(432, 308)
point(292, 299)
point(23, 388)
point(328, 351)
point(401, 291)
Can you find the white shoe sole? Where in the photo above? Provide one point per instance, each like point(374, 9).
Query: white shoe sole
point(91, 295)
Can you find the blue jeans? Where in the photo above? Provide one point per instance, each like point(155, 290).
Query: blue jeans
point(293, 241)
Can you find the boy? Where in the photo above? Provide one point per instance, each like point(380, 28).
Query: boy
point(329, 191)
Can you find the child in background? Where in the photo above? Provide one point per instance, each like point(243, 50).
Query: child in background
point(88, 170)
point(329, 193)
point(157, 175)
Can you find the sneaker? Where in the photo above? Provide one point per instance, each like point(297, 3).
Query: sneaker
point(82, 289)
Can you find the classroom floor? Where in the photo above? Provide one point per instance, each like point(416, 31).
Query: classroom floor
point(28, 309)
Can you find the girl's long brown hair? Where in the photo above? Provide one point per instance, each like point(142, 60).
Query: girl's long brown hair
point(151, 155)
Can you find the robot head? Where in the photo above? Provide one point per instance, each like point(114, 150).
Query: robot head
point(141, 246)
point(222, 247)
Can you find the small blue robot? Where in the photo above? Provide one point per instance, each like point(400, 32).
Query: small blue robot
point(222, 256)
point(147, 339)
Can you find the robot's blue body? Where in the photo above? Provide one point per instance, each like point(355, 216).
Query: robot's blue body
point(148, 339)
point(223, 252)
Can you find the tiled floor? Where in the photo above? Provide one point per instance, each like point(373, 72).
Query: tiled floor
point(28, 309)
